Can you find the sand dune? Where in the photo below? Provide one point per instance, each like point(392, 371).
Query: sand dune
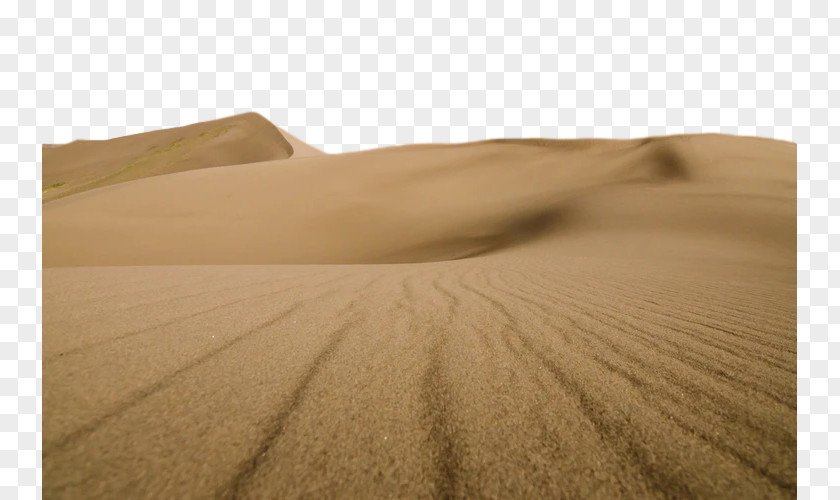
point(82, 165)
point(430, 204)
point(504, 319)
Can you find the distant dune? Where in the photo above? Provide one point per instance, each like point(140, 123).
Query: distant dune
point(435, 203)
point(83, 165)
point(230, 312)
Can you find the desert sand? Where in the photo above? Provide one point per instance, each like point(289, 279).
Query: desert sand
point(242, 316)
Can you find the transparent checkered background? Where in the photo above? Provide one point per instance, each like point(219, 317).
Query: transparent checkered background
point(345, 77)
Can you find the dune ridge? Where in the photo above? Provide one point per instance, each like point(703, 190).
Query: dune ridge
point(515, 318)
point(88, 164)
point(395, 205)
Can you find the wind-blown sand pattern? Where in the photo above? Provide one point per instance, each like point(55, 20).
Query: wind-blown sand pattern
point(251, 318)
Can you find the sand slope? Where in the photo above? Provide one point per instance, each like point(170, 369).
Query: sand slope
point(503, 319)
point(83, 165)
point(431, 203)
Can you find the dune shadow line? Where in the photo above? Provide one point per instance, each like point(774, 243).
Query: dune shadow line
point(248, 468)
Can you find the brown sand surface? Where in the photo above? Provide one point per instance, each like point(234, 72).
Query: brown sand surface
point(503, 319)
point(82, 165)
point(432, 203)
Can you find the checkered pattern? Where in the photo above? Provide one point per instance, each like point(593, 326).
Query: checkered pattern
point(355, 75)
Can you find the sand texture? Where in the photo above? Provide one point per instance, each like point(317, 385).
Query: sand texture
point(83, 165)
point(252, 318)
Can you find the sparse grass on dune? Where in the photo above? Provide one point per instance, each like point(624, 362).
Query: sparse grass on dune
point(87, 165)
point(158, 159)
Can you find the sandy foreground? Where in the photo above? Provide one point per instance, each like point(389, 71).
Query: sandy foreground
point(242, 316)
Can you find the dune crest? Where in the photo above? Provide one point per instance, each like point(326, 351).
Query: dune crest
point(300, 149)
point(83, 164)
point(439, 202)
